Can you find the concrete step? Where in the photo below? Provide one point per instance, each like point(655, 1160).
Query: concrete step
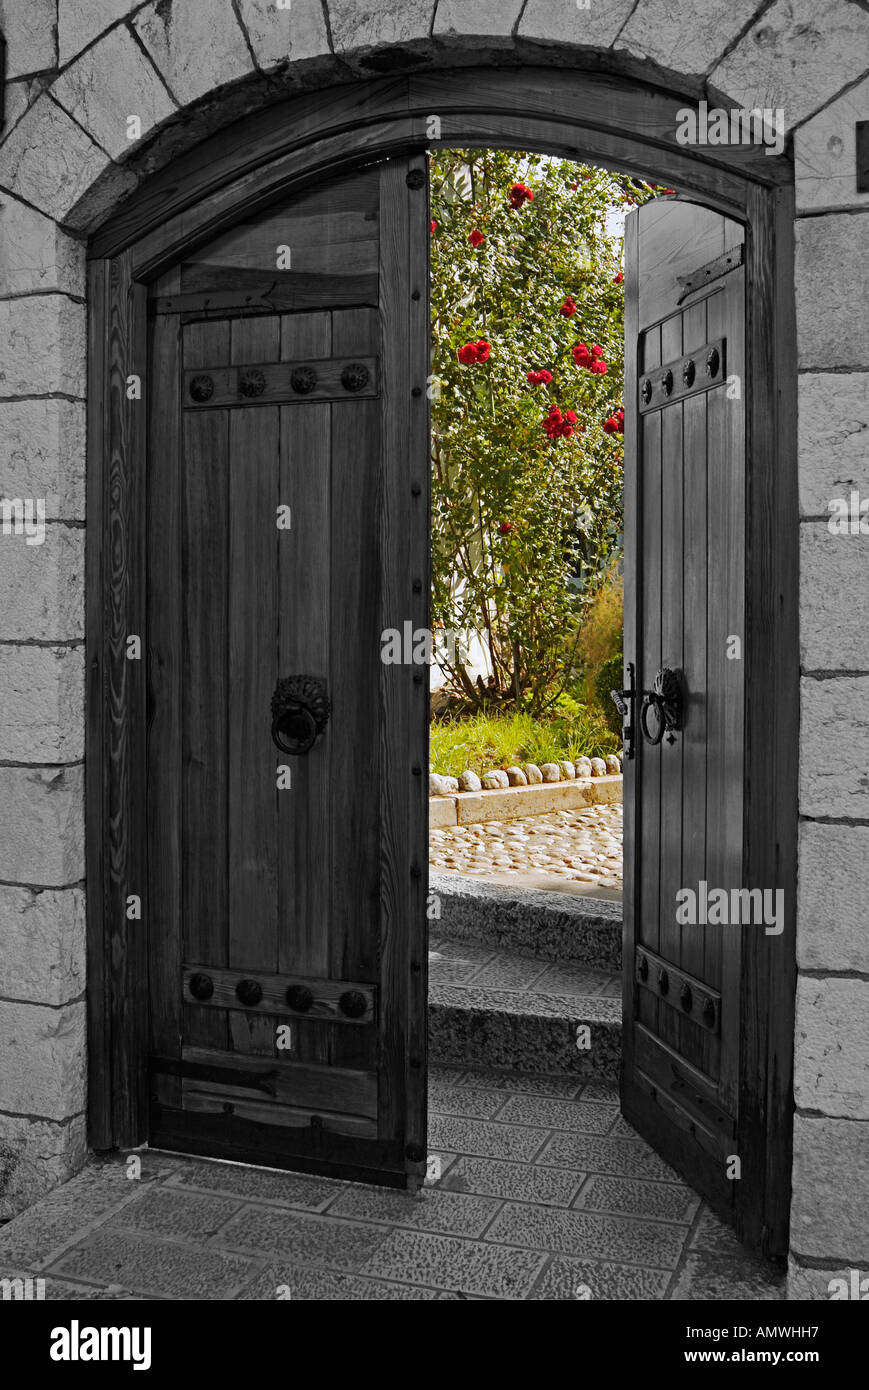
point(564, 927)
point(494, 1008)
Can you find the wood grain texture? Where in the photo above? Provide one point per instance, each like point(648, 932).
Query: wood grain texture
point(326, 1002)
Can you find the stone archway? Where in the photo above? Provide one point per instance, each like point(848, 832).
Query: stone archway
point(67, 162)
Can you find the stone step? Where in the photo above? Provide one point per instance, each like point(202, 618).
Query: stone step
point(493, 1008)
point(564, 927)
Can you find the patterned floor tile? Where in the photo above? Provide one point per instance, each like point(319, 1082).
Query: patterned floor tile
point(476, 951)
point(663, 1201)
point(444, 970)
point(522, 1084)
point(625, 1158)
point(464, 1100)
point(150, 1267)
point(483, 1138)
point(320, 1241)
point(522, 1182)
point(61, 1217)
point(598, 1280)
point(447, 1212)
point(652, 1244)
point(510, 972)
point(711, 1277)
point(255, 1184)
point(601, 1090)
point(446, 1262)
point(321, 1285)
point(573, 1116)
point(166, 1211)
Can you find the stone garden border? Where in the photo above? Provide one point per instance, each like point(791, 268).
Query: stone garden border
point(510, 803)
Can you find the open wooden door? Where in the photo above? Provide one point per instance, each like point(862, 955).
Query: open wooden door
point(685, 528)
point(287, 527)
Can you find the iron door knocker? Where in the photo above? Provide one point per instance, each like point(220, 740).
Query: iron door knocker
point(666, 699)
point(300, 713)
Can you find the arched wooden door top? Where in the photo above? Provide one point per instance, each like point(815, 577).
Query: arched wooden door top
point(591, 117)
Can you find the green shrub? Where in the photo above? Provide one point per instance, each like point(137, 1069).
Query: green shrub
point(608, 678)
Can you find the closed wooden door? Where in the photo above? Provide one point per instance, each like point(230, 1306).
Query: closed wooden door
point(685, 487)
point(287, 831)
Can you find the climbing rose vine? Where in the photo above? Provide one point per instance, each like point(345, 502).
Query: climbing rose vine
point(527, 310)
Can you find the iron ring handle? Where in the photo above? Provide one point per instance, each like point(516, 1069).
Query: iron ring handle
point(651, 700)
point(300, 745)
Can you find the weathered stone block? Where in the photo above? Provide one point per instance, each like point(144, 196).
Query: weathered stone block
point(797, 56)
point(43, 1051)
point(832, 894)
point(42, 699)
point(830, 1205)
point(49, 161)
point(107, 86)
point(832, 290)
point(42, 346)
point(833, 438)
point(20, 95)
point(43, 454)
point(561, 22)
point(834, 634)
point(684, 35)
point(814, 1285)
point(825, 154)
point(43, 586)
point(834, 747)
point(371, 23)
point(277, 36)
point(35, 254)
point(42, 945)
point(79, 22)
point(35, 1156)
point(471, 19)
point(197, 45)
point(30, 37)
point(831, 1062)
point(42, 825)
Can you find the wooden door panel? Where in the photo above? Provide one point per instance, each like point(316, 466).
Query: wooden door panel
point(685, 504)
point(274, 985)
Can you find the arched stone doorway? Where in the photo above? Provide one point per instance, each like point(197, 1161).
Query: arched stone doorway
point(200, 197)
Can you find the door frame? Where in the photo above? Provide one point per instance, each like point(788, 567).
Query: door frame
point(591, 117)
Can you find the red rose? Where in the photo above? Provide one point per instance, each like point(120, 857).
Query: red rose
point(570, 416)
point(581, 355)
point(573, 186)
point(610, 426)
point(597, 350)
point(474, 352)
point(617, 279)
point(598, 368)
point(520, 193)
point(568, 308)
point(505, 528)
point(432, 225)
point(476, 238)
point(483, 350)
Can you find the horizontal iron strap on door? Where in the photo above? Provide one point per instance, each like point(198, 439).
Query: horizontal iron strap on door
point(338, 1001)
point(682, 992)
point(278, 383)
point(713, 270)
point(685, 376)
point(306, 1085)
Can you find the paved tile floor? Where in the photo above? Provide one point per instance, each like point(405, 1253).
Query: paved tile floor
point(539, 1191)
point(560, 850)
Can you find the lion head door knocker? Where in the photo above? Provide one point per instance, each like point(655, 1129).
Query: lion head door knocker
point(667, 701)
point(300, 713)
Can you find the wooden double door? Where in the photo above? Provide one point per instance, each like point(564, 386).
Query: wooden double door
point(258, 778)
point(286, 764)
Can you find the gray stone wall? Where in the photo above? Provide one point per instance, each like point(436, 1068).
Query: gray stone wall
point(77, 70)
